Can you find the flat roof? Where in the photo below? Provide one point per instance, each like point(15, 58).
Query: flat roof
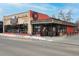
point(15, 14)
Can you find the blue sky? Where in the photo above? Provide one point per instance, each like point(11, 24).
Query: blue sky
point(46, 8)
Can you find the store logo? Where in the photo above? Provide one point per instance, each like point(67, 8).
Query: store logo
point(35, 15)
point(14, 20)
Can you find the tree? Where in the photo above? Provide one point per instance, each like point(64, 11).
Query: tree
point(61, 15)
point(66, 16)
point(53, 16)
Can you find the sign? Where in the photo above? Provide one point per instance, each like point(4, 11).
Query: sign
point(35, 15)
point(14, 20)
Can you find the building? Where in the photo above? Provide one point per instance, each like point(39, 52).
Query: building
point(77, 23)
point(35, 23)
point(1, 26)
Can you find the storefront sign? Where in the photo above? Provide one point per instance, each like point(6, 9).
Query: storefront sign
point(35, 15)
point(58, 21)
point(14, 20)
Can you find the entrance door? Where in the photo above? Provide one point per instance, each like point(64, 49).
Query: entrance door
point(48, 30)
point(36, 29)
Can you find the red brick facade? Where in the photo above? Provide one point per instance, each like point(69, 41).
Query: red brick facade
point(41, 16)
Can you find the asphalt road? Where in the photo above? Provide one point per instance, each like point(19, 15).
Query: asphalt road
point(9, 47)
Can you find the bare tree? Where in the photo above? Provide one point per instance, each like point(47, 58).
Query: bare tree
point(61, 15)
point(66, 16)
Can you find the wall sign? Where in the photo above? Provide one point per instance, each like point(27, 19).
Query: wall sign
point(35, 15)
point(14, 20)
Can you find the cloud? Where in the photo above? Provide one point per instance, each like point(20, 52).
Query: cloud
point(1, 13)
point(73, 7)
point(1, 10)
point(16, 4)
point(46, 8)
point(39, 7)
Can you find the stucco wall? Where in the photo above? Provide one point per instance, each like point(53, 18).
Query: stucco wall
point(22, 18)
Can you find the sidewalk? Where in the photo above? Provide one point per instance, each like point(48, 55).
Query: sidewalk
point(46, 38)
point(70, 40)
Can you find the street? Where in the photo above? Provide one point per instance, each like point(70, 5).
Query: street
point(29, 47)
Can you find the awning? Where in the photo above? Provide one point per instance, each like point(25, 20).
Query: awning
point(53, 21)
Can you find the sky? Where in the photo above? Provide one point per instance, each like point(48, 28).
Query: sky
point(46, 8)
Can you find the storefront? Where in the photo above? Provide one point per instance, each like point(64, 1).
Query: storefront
point(35, 23)
point(16, 29)
point(49, 28)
